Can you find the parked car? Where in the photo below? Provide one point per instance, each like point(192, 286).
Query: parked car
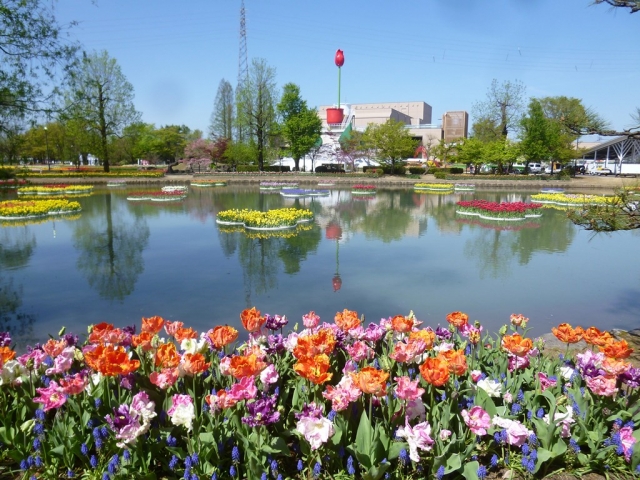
point(535, 167)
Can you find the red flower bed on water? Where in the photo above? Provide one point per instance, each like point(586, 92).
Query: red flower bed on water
point(503, 207)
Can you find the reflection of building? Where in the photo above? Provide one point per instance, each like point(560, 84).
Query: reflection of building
point(416, 115)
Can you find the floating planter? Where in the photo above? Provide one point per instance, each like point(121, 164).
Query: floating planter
point(303, 192)
point(58, 189)
point(363, 190)
point(499, 225)
point(208, 183)
point(116, 183)
point(326, 184)
point(434, 187)
point(277, 185)
point(264, 234)
point(572, 199)
point(175, 188)
point(464, 187)
point(158, 196)
point(278, 219)
point(552, 190)
point(505, 211)
point(23, 209)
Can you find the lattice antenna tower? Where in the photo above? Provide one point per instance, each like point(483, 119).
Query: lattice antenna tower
point(243, 64)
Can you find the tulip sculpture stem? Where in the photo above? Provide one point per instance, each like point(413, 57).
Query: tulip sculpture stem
point(339, 70)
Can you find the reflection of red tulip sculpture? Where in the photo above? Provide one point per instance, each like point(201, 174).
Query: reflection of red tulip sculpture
point(335, 115)
point(334, 232)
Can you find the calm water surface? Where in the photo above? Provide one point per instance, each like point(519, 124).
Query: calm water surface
point(398, 251)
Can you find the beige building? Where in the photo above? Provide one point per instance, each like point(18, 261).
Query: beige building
point(416, 115)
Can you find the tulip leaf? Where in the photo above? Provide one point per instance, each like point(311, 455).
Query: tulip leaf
point(484, 401)
point(396, 448)
point(363, 436)
point(277, 445)
point(543, 456)
point(453, 463)
point(206, 437)
point(559, 448)
point(376, 472)
point(470, 471)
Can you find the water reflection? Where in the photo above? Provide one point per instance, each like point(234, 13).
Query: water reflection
point(17, 245)
point(110, 246)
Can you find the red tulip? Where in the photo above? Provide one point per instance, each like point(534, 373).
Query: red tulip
point(339, 58)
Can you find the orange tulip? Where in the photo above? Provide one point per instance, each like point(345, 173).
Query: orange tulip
point(152, 324)
point(251, 319)
point(401, 324)
point(223, 335)
point(143, 340)
point(241, 366)
point(194, 363)
point(593, 336)
point(615, 367)
point(53, 348)
point(110, 361)
point(6, 354)
point(567, 334)
point(517, 345)
point(99, 331)
point(458, 319)
point(456, 361)
point(323, 341)
point(347, 320)
point(314, 369)
point(185, 334)
point(617, 350)
point(371, 380)
point(426, 335)
point(435, 371)
point(167, 356)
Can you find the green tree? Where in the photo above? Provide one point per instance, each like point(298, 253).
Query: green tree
point(623, 213)
point(169, 142)
point(390, 142)
point(301, 125)
point(471, 151)
point(540, 137)
point(101, 96)
point(223, 118)
point(487, 130)
point(503, 107)
point(34, 53)
point(11, 141)
point(502, 153)
point(443, 150)
point(256, 107)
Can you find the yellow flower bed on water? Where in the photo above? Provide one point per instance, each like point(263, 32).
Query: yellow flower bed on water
point(272, 219)
point(572, 199)
point(54, 189)
point(433, 186)
point(36, 208)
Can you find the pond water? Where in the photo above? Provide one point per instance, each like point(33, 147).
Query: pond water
point(382, 255)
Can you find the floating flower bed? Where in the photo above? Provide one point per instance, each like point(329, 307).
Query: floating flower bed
point(393, 399)
point(303, 192)
point(158, 196)
point(326, 184)
point(175, 188)
point(24, 209)
point(363, 189)
point(464, 187)
point(57, 189)
point(505, 211)
point(208, 183)
point(276, 219)
point(116, 182)
point(277, 185)
point(572, 199)
point(436, 187)
point(266, 234)
point(499, 225)
point(13, 183)
point(552, 190)
point(23, 222)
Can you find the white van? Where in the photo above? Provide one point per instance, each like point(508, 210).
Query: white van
point(535, 167)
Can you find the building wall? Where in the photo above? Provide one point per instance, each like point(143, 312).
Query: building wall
point(455, 125)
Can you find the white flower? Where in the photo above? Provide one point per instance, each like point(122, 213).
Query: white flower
point(191, 345)
point(417, 438)
point(567, 372)
point(316, 430)
point(566, 419)
point(94, 381)
point(182, 411)
point(12, 373)
point(492, 387)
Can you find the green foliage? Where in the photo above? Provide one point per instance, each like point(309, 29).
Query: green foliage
point(440, 174)
point(223, 116)
point(456, 170)
point(301, 126)
point(622, 214)
point(501, 111)
point(417, 170)
point(390, 142)
point(248, 168)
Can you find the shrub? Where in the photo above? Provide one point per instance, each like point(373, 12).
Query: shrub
point(417, 170)
point(277, 168)
point(432, 170)
point(247, 168)
point(7, 173)
point(399, 170)
point(329, 169)
point(456, 170)
point(440, 174)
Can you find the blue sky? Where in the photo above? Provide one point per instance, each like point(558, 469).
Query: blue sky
point(443, 52)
